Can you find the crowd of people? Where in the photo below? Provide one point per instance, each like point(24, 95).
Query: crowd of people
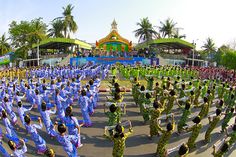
point(54, 90)
point(181, 88)
point(49, 91)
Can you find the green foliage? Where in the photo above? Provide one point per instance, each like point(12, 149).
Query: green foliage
point(26, 33)
point(167, 28)
point(4, 45)
point(228, 58)
point(145, 31)
point(57, 28)
point(209, 46)
point(68, 22)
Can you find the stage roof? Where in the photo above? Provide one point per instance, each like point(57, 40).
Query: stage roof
point(168, 43)
point(61, 43)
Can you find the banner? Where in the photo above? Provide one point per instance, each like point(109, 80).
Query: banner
point(5, 59)
point(109, 60)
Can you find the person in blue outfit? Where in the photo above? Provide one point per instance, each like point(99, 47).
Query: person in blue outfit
point(73, 127)
point(39, 142)
point(65, 140)
point(89, 94)
point(9, 110)
point(60, 108)
point(18, 152)
point(84, 103)
point(9, 128)
point(21, 112)
point(46, 118)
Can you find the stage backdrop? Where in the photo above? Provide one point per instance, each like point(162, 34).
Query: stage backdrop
point(112, 60)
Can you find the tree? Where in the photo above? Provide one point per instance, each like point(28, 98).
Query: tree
point(209, 45)
point(69, 25)
point(26, 33)
point(57, 28)
point(229, 59)
point(4, 45)
point(167, 28)
point(146, 30)
point(209, 49)
point(219, 54)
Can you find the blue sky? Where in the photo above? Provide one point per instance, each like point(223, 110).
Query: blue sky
point(198, 18)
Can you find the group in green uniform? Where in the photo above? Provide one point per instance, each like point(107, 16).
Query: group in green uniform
point(175, 88)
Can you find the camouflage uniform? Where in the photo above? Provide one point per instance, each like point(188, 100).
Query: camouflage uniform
point(204, 111)
point(183, 119)
point(150, 83)
point(195, 132)
point(119, 144)
point(226, 120)
point(212, 126)
point(114, 118)
point(170, 104)
point(161, 146)
point(197, 94)
point(153, 121)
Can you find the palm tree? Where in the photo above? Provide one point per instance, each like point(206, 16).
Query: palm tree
point(57, 28)
point(146, 30)
point(38, 31)
point(69, 25)
point(209, 49)
point(167, 28)
point(4, 45)
point(176, 34)
point(209, 45)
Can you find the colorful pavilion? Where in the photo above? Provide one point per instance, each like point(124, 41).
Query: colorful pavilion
point(114, 41)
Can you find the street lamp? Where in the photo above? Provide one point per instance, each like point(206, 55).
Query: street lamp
point(194, 51)
point(38, 53)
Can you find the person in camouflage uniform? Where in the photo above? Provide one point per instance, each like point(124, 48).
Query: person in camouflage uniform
point(150, 81)
point(204, 90)
point(161, 145)
point(168, 83)
point(135, 86)
point(197, 95)
point(212, 124)
point(163, 96)
point(226, 119)
point(191, 97)
point(141, 95)
point(221, 91)
point(230, 103)
point(184, 117)
point(144, 107)
point(209, 97)
point(182, 94)
point(205, 108)
point(119, 139)
point(113, 115)
point(155, 113)
point(157, 90)
point(171, 99)
point(195, 132)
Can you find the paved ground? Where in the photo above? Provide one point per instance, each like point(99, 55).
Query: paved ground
point(138, 145)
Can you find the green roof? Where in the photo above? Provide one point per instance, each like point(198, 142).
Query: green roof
point(174, 43)
point(59, 43)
